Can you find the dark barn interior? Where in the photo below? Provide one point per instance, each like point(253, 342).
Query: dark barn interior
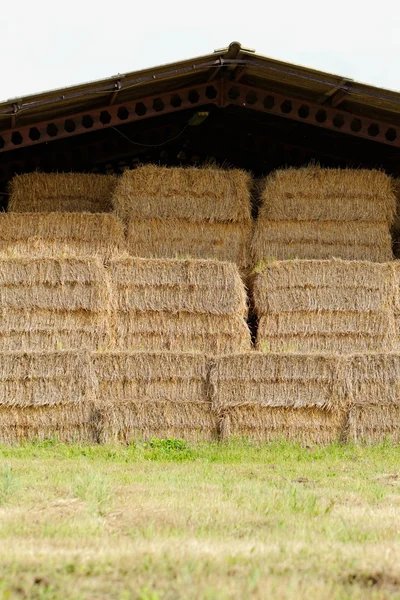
point(230, 108)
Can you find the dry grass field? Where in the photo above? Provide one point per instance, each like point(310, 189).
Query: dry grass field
point(174, 520)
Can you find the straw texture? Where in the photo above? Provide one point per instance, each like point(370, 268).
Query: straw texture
point(328, 331)
point(61, 192)
point(54, 304)
point(181, 332)
point(325, 213)
point(374, 397)
point(312, 193)
point(178, 305)
point(277, 380)
point(180, 238)
point(206, 194)
point(44, 395)
point(302, 425)
point(61, 234)
point(153, 394)
point(331, 285)
point(178, 285)
point(325, 306)
point(287, 240)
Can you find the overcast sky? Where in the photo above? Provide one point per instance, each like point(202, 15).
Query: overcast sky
point(48, 44)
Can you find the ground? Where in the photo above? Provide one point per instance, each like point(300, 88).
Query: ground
point(172, 520)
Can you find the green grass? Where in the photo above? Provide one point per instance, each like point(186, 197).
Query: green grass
point(167, 519)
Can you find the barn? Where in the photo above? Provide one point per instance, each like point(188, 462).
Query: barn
point(201, 250)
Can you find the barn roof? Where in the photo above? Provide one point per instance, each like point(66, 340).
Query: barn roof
point(233, 75)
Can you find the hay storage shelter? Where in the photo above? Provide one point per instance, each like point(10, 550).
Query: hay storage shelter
point(230, 107)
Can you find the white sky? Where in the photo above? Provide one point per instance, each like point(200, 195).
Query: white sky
point(48, 44)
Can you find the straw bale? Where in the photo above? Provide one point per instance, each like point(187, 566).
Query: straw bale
point(50, 283)
point(284, 240)
point(153, 394)
point(396, 286)
point(312, 193)
point(61, 192)
point(206, 194)
point(324, 285)
point(277, 380)
point(375, 379)
point(330, 331)
point(264, 424)
point(45, 379)
point(175, 238)
point(181, 332)
point(375, 423)
point(41, 330)
point(111, 367)
point(178, 285)
point(162, 420)
point(59, 234)
point(72, 423)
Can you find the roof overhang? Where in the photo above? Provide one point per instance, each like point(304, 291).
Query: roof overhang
point(231, 76)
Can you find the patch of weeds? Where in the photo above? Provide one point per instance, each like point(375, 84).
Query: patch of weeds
point(9, 484)
point(95, 490)
point(168, 449)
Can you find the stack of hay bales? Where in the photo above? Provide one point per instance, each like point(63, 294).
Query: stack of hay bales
point(314, 213)
point(158, 394)
point(53, 304)
point(270, 396)
point(61, 214)
point(374, 397)
point(179, 305)
point(45, 395)
point(325, 306)
point(186, 213)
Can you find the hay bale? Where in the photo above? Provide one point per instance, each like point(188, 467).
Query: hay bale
point(373, 424)
point(56, 284)
point(54, 304)
point(374, 397)
point(375, 379)
point(315, 194)
point(328, 331)
point(176, 238)
point(202, 286)
point(44, 378)
point(67, 424)
point(301, 425)
point(322, 285)
point(46, 394)
point(269, 396)
point(180, 332)
point(153, 395)
point(61, 192)
point(286, 240)
point(65, 234)
point(206, 194)
point(277, 380)
point(34, 329)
